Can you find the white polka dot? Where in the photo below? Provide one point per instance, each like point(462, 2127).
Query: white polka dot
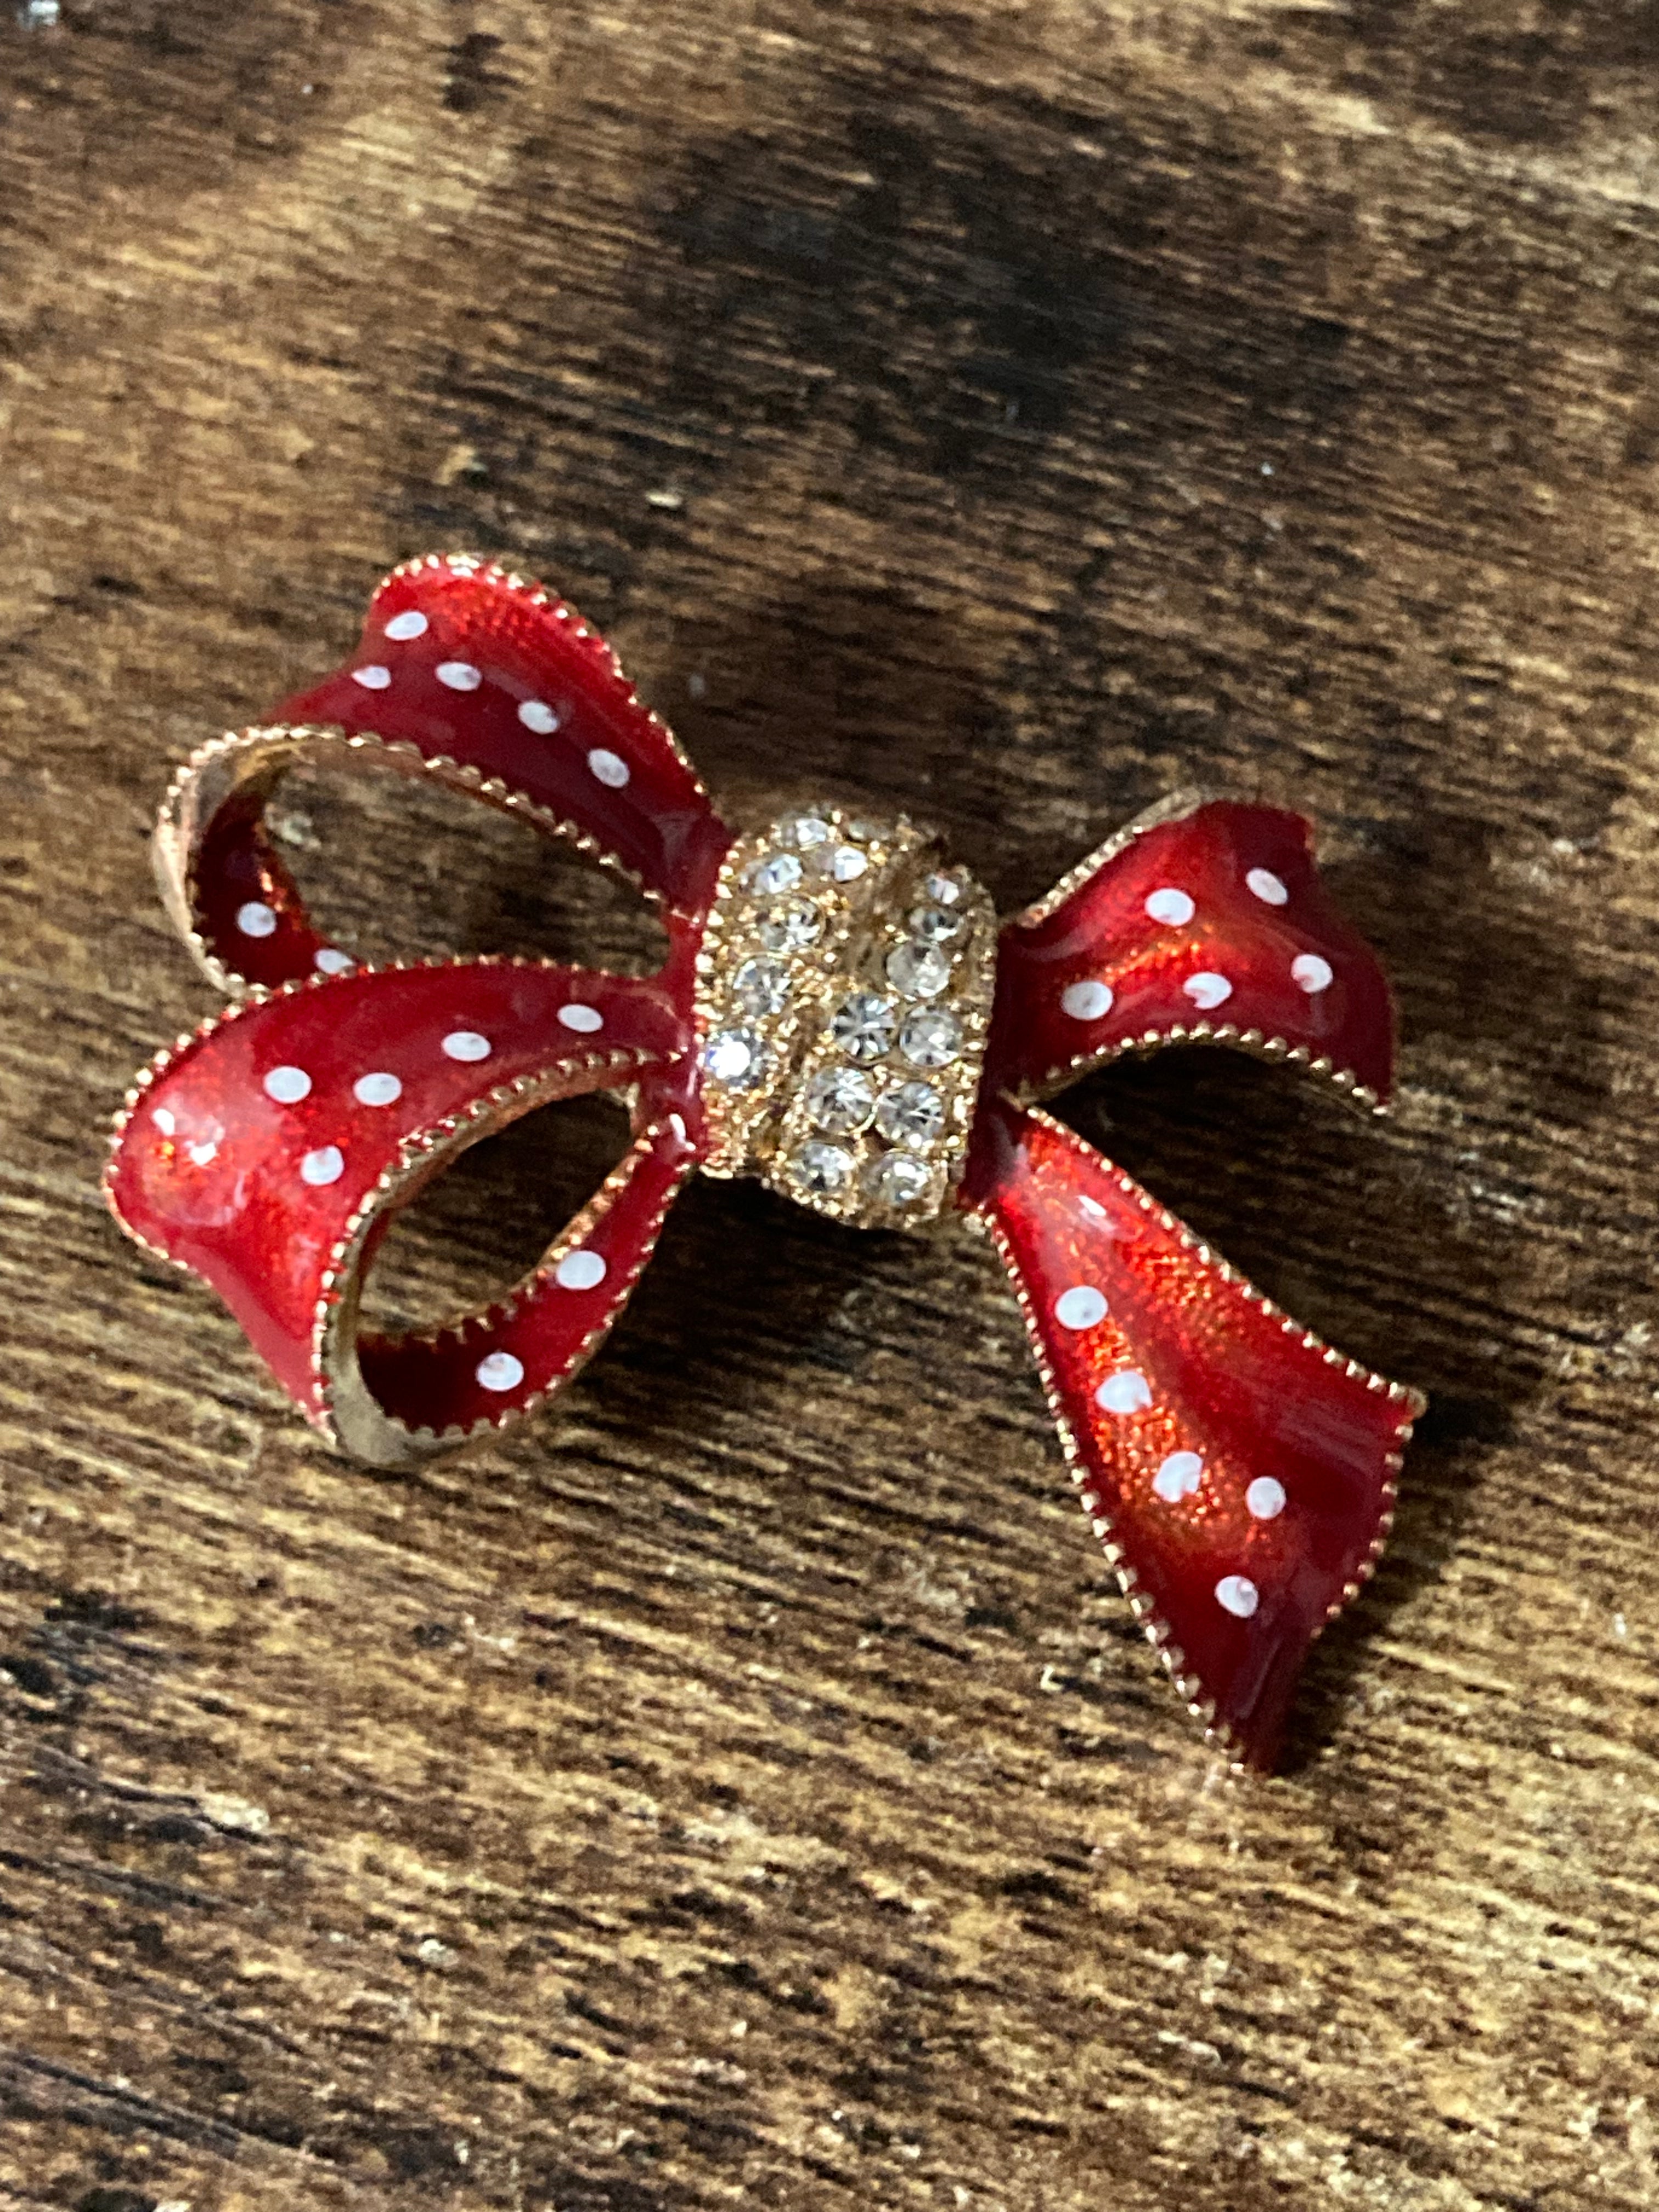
point(377, 1090)
point(1093, 1208)
point(610, 768)
point(326, 1164)
point(411, 623)
point(1126, 1392)
point(1312, 973)
point(375, 678)
point(1178, 1477)
point(578, 1017)
point(1171, 906)
point(460, 675)
point(1265, 1498)
point(1238, 1594)
point(580, 1271)
point(288, 1086)
point(535, 715)
point(1266, 886)
point(331, 961)
point(1080, 1307)
point(256, 919)
point(1208, 990)
point(164, 1121)
point(1086, 1002)
point(499, 1371)
point(204, 1155)
point(466, 1044)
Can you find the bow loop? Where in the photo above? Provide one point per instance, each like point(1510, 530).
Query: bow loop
point(1204, 919)
point(270, 1152)
point(471, 664)
point(469, 675)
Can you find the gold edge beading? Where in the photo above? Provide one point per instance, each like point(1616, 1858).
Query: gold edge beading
point(1276, 1050)
point(1175, 806)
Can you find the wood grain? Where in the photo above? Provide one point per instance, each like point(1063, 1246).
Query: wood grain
point(744, 1785)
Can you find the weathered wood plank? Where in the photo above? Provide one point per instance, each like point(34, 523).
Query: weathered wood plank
point(745, 1784)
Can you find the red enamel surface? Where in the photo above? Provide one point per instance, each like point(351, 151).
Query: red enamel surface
point(1225, 1380)
point(211, 1167)
point(1103, 933)
point(530, 653)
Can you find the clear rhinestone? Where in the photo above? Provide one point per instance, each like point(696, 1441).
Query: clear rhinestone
point(897, 1178)
point(736, 1058)
point(779, 872)
point(810, 829)
point(910, 1113)
point(931, 1038)
point(760, 987)
point(841, 1100)
point(921, 971)
point(943, 891)
point(791, 928)
point(933, 924)
point(822, 1169)
point(863, 1025)
point(842, 863)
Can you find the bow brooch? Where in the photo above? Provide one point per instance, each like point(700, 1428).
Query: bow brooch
point(840, 1015)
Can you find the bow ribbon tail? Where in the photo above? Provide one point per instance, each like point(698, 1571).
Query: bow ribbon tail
point(268, 1154)
point(1239, 1473)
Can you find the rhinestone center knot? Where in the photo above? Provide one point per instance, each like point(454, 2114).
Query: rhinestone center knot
point(843, 994)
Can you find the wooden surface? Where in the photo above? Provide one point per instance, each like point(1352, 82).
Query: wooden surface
point(744, 1786)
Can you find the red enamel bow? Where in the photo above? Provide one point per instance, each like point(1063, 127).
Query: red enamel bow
point(839, 1014)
